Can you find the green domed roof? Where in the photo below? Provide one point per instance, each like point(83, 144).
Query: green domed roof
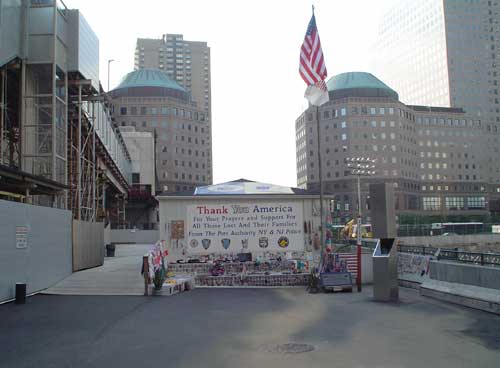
point(148, 78)
point(359, 84)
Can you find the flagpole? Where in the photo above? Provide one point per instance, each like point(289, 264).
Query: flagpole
point(320, 173)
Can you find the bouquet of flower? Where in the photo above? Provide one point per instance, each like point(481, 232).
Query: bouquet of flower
point(158, 264)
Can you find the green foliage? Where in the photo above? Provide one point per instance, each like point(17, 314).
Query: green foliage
point(160, 277)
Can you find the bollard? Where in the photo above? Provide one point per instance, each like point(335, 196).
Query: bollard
point(145, 267)
point(20, 293)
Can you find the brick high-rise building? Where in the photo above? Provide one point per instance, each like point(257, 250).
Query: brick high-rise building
point(150, 101)
point(186, 62)
point(434, 156)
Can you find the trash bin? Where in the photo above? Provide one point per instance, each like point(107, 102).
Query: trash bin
point(385, 270)
point(110, 250)
point(20, 293)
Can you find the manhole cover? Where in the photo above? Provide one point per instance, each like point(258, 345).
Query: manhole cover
point(289, 348)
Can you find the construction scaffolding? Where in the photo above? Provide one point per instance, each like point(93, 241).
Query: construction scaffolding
point(92, 195)
point(59, 146)
point(10, 147)
point(67, 141)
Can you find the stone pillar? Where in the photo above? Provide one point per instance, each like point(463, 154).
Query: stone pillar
point(382, 210)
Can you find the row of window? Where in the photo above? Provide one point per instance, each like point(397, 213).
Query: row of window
point(184, 176)
point(448, 122)
point(451, 177)
point(453, 203)
point(357, 110)
point(164, 124)
point(190, 152)
point(182, 163)
point(444, 165)
point(457, 188)
point(163, 110)
point(189, 140)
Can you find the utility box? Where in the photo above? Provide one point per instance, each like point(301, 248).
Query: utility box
point(385, 270)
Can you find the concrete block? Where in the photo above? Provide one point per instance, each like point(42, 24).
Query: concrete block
point(467, 295)
point(482, 276)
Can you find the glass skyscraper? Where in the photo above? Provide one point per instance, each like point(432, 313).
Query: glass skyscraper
point(443, 53)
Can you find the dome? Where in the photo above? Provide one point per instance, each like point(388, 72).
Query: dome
point(149, 82)
point(358, 84)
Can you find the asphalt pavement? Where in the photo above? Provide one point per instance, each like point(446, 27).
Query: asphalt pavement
point(241, 327)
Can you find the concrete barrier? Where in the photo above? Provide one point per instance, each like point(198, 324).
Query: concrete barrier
point(486, 277)
point(88, 244)
point(470, 296)
point(35, 247)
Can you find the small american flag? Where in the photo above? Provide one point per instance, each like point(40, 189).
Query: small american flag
point(352, 263)
point(312, 67)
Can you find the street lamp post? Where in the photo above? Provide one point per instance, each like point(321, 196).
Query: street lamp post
point(109, 68)
point(360, 166)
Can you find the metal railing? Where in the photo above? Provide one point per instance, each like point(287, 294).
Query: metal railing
point(477, 258)
point(417, 249)
point(427, 230)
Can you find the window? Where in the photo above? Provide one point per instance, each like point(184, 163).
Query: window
point(391, 111)
point(431, 203)
point(154, 111)
point(343, 124)
point(374, 124)
point(344, 136)
point(136, 178)
point(454, 203)
point(123, 111)
point(475, 202)
point(343, 111)
point(133, 110)
point(164, 110)
point(373, 110)
point(143, 110)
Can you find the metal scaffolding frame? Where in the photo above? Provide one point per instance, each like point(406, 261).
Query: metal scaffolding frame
point(58, 144)
point(10, 147)
point(89, 162)
point(82, 164)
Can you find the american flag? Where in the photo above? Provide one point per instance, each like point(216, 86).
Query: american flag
point(312, 67)
point(352, 263)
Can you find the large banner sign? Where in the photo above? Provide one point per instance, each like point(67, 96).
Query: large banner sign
point(244, 227)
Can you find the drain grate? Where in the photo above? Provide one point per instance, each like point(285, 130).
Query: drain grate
point(288, 348)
